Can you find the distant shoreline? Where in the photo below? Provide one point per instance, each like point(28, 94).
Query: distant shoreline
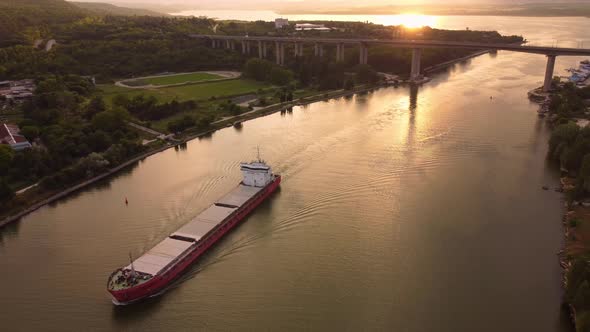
point(270, 14)
point(527, 10)
point(585, 14)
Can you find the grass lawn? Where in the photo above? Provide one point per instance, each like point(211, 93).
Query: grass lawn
point(181, 78)
point(198, 91)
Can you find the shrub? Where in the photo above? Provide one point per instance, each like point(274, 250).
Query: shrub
point(574, 223)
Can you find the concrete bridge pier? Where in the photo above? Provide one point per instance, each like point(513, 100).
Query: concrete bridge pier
point(340, 52)
point(549, 72)
point(278, 53)
point(264, 50)
point(260, 55)
point(319, 50)
point(243, 47)
point(227, 45)
point(298, 49)
point(248, 47)
point(363, 54)
point(213, 43)
point(416, 55)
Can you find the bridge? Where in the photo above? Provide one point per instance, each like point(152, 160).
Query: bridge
point(264, 43)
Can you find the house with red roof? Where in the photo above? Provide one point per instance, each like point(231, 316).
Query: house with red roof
point(10, 135)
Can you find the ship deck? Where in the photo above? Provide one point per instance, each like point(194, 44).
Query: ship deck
point(122, 280)
point(166, 253)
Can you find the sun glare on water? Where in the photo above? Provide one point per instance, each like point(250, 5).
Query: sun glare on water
point(412, 20)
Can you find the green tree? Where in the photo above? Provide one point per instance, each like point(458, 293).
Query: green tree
point(110, 120)
point(98, 141)
point(6, 193)
point(562, 136)
point(366, 74)
point(181, 124)
point(30, 132)
point(95, 106)
point(349, 85)
point(584, 173)
point(258, 69)
point(6, 157)
point(93, 164)
point(582, 297)
point(280, 76)
point(121, 101)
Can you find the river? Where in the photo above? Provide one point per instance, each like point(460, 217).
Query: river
point(403, 209)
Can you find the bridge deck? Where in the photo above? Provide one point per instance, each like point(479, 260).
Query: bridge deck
point(411, 44)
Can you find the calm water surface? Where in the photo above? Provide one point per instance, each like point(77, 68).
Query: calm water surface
point(403, 209)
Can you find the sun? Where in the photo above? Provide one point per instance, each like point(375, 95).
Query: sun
point(413, 21)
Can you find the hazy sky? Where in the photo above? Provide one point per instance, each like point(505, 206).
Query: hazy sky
point(322, 3)
point(313, 5)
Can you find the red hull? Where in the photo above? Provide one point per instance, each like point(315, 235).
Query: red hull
point(159, 282)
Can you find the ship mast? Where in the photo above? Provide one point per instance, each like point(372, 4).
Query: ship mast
point(132, 268)
point(258, 153)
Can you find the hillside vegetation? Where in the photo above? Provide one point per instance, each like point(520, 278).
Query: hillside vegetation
point(23, 21)
point(100, 8)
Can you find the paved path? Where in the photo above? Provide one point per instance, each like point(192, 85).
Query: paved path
point(50, 44)
point(146, 129)
point(27, 188)
point(225, 75)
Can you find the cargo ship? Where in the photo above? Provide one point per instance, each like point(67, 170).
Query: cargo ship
point(152, 272)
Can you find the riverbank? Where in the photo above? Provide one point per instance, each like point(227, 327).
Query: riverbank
point(566, 107)
point(51, 197)
point(576, 226)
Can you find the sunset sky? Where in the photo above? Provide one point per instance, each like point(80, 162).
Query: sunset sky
point(323, 3)
point(333, 6)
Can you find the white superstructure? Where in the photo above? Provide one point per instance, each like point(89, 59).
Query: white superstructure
point(256, 174)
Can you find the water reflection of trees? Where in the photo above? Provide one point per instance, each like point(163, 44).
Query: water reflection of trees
point(100, 185)
point(206, 137)
point(9, 231)
point(289, 110)
point(181, 147)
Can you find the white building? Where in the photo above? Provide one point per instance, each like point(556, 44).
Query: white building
point(310, 27)
point(281, 22)
point(10, 135)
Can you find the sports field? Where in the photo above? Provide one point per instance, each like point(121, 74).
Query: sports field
point(198, 91)
point(181, 78)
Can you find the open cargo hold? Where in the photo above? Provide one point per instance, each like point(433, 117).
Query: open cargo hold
point(204, 222)
point(159, 256)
